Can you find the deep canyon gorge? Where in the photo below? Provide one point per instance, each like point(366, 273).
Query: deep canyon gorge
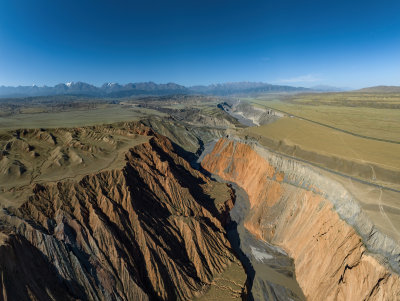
point(334, 246)
point(182, 208)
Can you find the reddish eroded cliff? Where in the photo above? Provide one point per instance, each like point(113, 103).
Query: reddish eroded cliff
point(331, 260)
point(147, 231)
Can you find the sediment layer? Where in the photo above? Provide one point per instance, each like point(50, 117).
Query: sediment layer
point(337, 251)
point(363, 170)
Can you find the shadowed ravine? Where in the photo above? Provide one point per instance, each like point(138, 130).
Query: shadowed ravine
point(270, 271)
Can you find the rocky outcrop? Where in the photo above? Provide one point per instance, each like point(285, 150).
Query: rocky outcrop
point(146, 231)
point(338, 253)
point(249, 114)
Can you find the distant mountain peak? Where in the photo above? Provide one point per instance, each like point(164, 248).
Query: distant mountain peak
point(116, 90)
point(237, 88)
point(109, 89)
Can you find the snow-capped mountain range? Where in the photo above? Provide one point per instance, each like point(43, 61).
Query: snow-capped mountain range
point(145, 88)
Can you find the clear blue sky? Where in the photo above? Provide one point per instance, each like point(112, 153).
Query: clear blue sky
point(304, 43)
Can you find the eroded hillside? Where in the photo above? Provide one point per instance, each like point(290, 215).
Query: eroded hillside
point(338, 252)
point(147, 227)
point(116, 212)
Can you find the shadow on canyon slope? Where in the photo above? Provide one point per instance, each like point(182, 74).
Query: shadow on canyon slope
point(234, 238)
point(153, 215)
point(18, 259)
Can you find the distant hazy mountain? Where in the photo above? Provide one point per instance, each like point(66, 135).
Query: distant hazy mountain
point(116, 90)
point(147, 88)
point(381, 89)
point(244, 88)
point(106, 90)
point(24, 91)
point(326, 88)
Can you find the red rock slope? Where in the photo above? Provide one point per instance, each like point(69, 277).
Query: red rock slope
point(331, 260)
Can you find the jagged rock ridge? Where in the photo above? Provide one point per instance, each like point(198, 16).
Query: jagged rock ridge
point(147, 231)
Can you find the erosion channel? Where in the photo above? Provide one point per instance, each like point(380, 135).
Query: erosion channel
point(270, 271)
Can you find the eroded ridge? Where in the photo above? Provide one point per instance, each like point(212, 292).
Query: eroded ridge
point(146, 230)
point(335, 247)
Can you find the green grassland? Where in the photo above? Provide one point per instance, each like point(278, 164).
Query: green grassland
point(320, 139)
point(74, 118)
point(367, 114)
point(349, 99)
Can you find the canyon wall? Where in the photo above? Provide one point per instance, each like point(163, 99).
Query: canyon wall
point(337, 251)
point(147, 231)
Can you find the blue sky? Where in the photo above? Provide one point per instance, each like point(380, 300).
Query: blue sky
point(301, 43)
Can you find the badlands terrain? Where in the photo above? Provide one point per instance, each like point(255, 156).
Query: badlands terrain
point(194, 197)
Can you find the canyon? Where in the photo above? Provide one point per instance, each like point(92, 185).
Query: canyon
point(199, 151)
point(338, 253)
point(192, 201)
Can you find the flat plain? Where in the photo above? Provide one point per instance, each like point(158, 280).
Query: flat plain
point(103, 114)
point(320, 139)
point(375, 115)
